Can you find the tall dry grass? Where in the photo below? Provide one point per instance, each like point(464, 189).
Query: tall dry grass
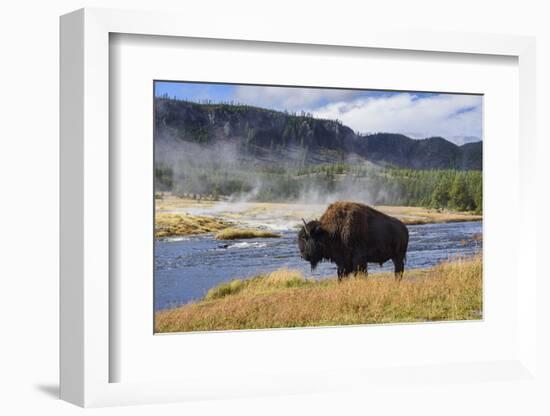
point(449, 291)
point(167, 225)
point(239, 233)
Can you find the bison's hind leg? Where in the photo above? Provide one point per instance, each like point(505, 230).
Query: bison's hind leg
point(399, 267)
point(341, 273)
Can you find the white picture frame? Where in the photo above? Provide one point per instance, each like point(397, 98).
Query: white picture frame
point(85, 307)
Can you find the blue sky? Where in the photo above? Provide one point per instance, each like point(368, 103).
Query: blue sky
point(457, 117)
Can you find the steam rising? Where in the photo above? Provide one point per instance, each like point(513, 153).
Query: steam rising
point(223, 171)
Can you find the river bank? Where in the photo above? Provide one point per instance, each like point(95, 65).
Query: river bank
point(176, 216)
point(285, 298)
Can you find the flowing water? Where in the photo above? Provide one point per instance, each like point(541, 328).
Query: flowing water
point(187, 267)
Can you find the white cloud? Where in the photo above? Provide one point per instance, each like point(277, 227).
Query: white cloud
point(288, 98)
point(455, 117)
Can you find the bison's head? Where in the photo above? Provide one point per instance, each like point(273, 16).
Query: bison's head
point(311, 241)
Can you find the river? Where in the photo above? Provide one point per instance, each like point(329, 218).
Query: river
point(187, 267)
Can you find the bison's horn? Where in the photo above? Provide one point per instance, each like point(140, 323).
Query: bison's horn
point(305, 226)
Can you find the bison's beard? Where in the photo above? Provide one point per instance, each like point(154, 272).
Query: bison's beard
point(311, 251)
point(313, 264)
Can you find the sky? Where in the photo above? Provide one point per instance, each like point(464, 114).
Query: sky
point(456, 117)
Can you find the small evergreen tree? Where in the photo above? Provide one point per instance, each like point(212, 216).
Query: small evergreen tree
point(459, 196)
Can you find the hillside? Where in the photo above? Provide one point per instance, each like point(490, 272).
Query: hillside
point(271, 137)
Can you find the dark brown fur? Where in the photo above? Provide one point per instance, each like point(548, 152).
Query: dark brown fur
point(351, 235)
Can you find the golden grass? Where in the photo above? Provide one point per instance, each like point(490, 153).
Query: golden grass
point(285, 298)
point(281, 278)
point(421, 215)
point(167, 225)
point(238, 233)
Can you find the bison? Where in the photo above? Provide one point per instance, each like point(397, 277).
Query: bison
point(351, 235)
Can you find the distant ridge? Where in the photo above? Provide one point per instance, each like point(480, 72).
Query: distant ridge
point(272, 137)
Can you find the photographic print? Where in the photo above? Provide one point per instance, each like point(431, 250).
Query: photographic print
point(289, 206)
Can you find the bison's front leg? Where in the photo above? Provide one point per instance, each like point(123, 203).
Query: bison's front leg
point(344, 270)
point(360, 266)
point(360, 260)
point(348, 268)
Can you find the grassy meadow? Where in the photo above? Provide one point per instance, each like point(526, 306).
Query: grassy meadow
point(285, 298)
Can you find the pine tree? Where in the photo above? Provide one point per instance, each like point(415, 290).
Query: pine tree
point(459, 196)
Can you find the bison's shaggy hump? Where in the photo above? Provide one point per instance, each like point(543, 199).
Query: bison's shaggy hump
point(348, 219)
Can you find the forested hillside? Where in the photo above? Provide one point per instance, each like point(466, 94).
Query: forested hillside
point(248, 153)
point(271, 137)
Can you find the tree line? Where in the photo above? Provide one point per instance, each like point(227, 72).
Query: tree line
point(441, 189)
